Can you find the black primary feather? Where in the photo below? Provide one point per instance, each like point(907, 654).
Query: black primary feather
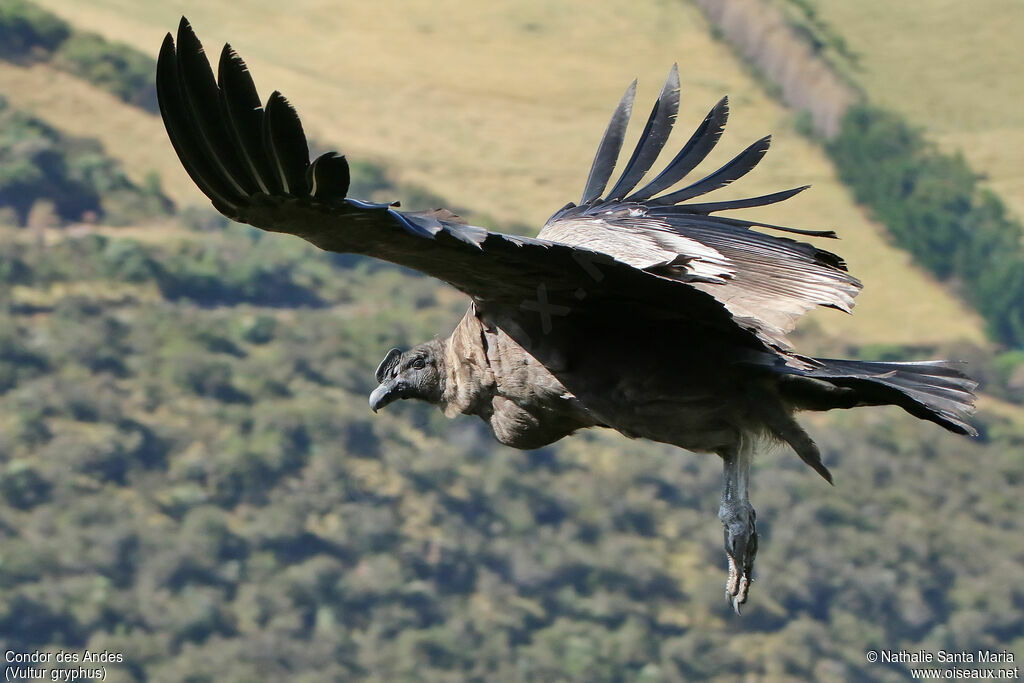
point(328, 177)
point(762, 200)
point(243, 115)
point(285, 144)
point(740, 165)
point(653, 138)
point(181, 130)
point(202, 99)
point(611, 145)
point(693, 152)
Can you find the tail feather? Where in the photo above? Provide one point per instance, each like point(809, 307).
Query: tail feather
point(937, 391)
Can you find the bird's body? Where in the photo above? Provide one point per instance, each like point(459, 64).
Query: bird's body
point(488, 375)
point(637, 309)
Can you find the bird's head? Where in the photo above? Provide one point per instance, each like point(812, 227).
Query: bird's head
point(417, 373)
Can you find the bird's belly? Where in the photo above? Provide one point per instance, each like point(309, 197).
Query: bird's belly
point(534, 426)
point(702, 424)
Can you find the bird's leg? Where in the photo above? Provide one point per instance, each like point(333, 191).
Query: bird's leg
point(737, 515)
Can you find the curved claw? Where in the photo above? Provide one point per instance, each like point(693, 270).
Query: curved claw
point(737, 586)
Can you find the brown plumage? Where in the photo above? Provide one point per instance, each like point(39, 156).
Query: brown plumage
point(638, 309)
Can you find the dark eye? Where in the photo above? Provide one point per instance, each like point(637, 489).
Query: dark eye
point(418, 363)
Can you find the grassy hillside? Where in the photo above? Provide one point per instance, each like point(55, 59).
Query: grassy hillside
point(950, 67)
point(499, 110)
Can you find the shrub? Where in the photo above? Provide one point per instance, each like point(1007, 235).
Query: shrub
point(28, 31)
point(118, 69)
point(22, 486)
point(933, 207)
point(26, 27)
point(38, 163)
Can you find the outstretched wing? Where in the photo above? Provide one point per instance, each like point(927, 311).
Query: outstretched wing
point(252, 162)
point(766, 280)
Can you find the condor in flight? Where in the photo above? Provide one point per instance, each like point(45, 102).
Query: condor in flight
point(639, 309)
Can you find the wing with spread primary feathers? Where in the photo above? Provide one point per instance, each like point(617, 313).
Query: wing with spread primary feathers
point(252, 162)
point(764, 280)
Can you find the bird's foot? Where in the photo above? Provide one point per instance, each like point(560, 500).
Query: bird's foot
point(736, 586)
point(740, 548)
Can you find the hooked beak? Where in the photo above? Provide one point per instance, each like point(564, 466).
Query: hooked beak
point(387, 392)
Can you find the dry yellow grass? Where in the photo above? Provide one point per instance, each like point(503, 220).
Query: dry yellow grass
point(953, 68)
point(498, 107)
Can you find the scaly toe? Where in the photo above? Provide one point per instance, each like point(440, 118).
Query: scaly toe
point(732, 583)
point(744, 586)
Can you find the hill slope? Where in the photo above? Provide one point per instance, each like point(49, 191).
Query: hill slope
point(950, 67)
point(80, 109)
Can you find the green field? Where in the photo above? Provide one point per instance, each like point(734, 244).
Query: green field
point(500, 110)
